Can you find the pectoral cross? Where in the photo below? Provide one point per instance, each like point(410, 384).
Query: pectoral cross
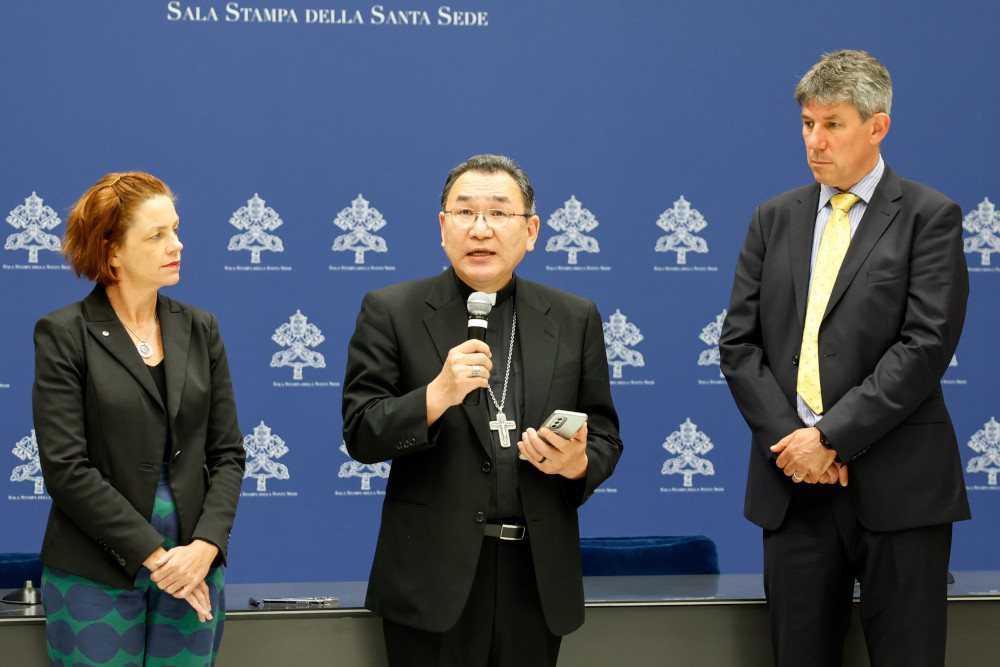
point(503, 428)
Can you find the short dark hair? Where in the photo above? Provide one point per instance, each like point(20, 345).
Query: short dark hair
point(854, 77)
point(100, 219)
point(491, 164)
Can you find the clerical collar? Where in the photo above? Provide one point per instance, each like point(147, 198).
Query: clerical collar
point(496, 297)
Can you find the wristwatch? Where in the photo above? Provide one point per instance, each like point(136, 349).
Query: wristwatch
point(825, 441)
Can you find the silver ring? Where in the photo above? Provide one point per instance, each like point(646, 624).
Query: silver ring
point(475, 372)
point(543, 459)
point(796, 477)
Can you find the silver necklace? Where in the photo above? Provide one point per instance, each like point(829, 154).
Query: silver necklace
point(145, 349)
point(501, 424)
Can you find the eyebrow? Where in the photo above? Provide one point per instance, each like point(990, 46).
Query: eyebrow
point(166, 225)
point(495, 197)
point(835, 116)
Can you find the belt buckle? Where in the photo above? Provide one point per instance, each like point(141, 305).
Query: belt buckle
point(511, 532)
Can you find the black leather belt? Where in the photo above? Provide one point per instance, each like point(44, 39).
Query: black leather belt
point(505, 531)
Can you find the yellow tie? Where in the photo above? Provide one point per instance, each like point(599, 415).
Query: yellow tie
point(832, 248)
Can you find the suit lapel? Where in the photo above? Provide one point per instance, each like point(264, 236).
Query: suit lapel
point(881, 210)
point(446, 309)
point(104, 327)
point(539, 335)
point(801, 226)
point(175, 331)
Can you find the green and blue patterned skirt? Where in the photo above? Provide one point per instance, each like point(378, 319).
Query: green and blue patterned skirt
point(92, 624)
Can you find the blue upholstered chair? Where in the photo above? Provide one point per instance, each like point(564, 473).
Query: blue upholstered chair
point(681, 554)
point(17, 568)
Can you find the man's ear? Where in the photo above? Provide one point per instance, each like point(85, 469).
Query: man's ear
point(880, 127)
point(534, 222)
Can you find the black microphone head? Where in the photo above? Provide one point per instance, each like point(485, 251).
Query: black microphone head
point(479, 304)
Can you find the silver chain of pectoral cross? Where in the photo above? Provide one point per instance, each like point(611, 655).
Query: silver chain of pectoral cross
point(501, 425)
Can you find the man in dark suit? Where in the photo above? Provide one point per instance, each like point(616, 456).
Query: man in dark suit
point(478, 555)
point(847, 306)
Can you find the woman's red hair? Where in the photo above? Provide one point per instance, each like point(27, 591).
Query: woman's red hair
point(100, 219)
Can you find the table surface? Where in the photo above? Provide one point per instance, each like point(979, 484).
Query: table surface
point(630, 591)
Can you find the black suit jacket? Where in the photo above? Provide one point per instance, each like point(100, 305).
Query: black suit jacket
point(101, 428)
point(439, 485)
point(891, 327)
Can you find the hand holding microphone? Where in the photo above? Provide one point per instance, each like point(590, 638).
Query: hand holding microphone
point(467, 369)
point(479, 306)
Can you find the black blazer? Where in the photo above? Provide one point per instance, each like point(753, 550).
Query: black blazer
point(890, 330)
point(439, 486)
point(101, 428)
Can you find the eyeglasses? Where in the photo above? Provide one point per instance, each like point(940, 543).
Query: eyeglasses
point(494, 218)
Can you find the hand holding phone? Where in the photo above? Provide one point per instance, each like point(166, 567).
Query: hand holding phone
point(564, 423)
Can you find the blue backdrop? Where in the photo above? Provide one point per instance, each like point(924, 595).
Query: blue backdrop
point(650, 131)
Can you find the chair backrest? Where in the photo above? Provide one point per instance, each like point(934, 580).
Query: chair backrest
point(17, 568)
point(674, 554)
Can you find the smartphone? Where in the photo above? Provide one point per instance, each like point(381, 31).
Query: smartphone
point(565, 423)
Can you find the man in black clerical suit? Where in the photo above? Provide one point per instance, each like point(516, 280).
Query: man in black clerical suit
point(847, 306)
point(478, 555)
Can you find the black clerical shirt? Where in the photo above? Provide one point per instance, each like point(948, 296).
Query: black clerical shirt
point(505, 499)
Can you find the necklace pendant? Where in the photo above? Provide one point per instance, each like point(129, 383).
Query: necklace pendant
point(501, 424)
point(503, 427)
point(144, 348)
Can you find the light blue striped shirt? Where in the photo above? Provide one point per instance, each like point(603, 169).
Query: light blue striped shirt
point(863, 189)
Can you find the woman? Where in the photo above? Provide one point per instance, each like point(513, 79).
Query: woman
point(139, 444)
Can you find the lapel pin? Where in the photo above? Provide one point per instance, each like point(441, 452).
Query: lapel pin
point(105, 333)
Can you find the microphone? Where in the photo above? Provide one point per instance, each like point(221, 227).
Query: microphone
point(479, 306)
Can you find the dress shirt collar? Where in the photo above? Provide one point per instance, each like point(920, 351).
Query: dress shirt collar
point(497, 297)
point(864, 188)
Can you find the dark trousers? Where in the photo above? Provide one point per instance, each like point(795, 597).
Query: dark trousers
point(501, 626)
point(811, 563)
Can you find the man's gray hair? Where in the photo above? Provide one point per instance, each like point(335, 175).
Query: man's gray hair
point(491, 164)
point(847, 76)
